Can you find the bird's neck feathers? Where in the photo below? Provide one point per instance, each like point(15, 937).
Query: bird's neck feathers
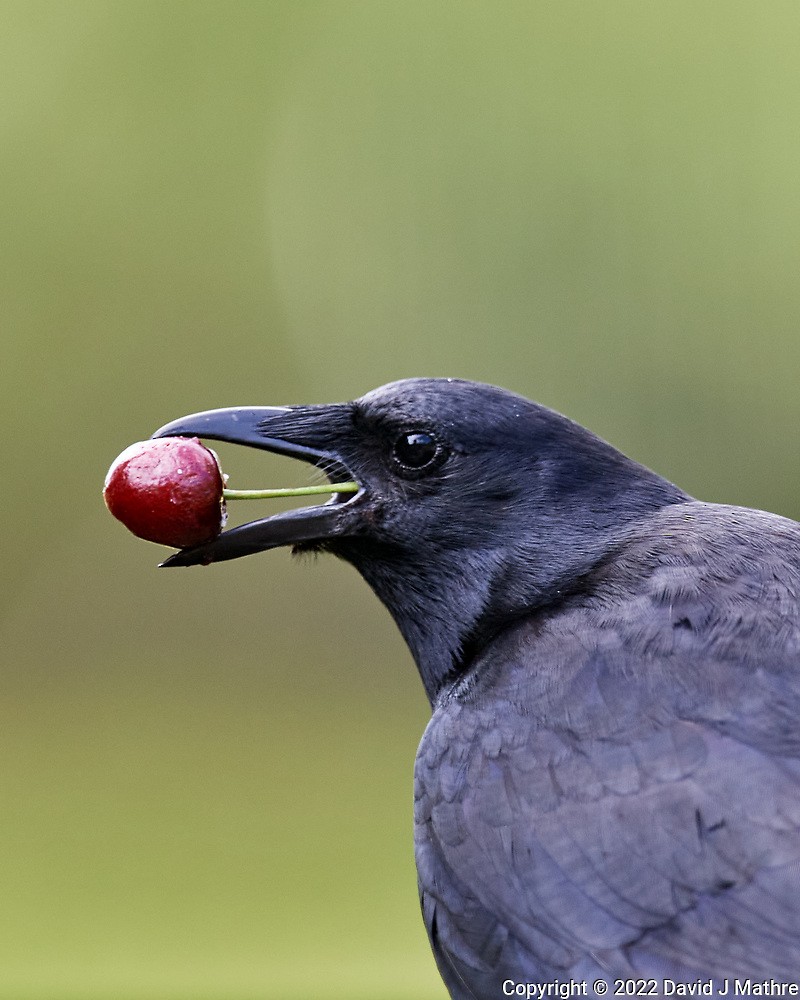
point(449, 601)
point(434, 603)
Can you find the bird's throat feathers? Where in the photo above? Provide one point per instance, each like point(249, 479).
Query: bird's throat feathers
point(435, 604)
point(449, 601)
point(448, 605)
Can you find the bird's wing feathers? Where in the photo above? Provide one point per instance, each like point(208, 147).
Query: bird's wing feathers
point(630, 802)
point(679, 850)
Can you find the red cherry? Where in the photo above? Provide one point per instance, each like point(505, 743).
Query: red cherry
point(168, 490)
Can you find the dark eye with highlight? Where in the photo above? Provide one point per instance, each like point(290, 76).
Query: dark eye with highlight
point(417, 451)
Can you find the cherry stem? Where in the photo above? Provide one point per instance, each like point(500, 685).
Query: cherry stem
point(298, 491)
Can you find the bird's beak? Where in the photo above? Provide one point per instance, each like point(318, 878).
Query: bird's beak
point(305, 432)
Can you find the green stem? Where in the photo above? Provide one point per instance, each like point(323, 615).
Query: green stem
point(298, 491)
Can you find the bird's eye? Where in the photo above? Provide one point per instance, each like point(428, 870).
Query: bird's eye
point(417, 451)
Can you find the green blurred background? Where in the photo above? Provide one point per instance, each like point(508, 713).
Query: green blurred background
point(206, 777)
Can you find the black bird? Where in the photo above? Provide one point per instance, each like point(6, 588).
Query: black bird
point(609, 786)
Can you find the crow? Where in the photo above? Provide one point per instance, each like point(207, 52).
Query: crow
point(608, 790)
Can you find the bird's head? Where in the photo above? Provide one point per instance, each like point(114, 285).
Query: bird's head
point(475, 505)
